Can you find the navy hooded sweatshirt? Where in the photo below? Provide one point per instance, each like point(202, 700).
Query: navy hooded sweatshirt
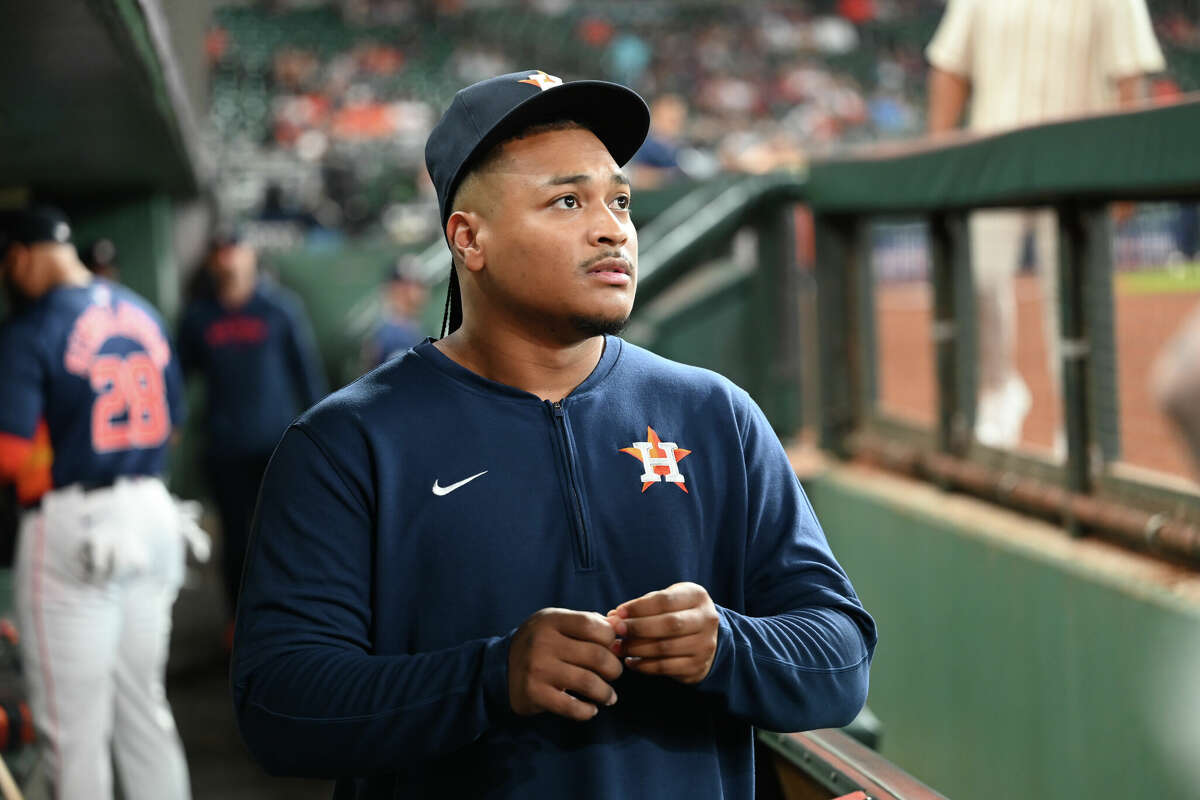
point(409, 523)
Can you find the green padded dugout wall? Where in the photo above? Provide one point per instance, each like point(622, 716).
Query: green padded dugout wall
point(141, 228)
point(1015, 662)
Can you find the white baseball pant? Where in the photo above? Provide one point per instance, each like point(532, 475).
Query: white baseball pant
point(996, 239)
point(97, 573)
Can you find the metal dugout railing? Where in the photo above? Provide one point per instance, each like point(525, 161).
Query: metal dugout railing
point(1077, 167)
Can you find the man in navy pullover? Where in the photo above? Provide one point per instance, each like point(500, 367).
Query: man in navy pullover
point(530, 559)
point(251, 341)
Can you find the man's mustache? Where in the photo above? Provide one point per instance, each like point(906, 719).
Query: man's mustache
point(611, 254)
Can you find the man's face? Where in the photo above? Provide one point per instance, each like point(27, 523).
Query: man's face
point(405, 297)
point(558, 246)
point(668, 116)
point(232, 263)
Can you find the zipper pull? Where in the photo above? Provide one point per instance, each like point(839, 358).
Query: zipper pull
point(557, 406)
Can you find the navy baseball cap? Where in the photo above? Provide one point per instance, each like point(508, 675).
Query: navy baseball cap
point(32, 226)
point(405, 269)
point(486, 113)
point(226, 235)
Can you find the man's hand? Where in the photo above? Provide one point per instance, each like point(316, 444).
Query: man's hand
point(671, 632)
point(557, 651)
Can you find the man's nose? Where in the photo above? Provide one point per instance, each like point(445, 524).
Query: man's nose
point(608, 229)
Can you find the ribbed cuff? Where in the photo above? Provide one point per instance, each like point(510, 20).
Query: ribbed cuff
point(495, 677)
point(724, 655)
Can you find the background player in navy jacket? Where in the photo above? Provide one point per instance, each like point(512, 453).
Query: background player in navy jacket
point(89, 395)
point(251, 341)
point(530, 559)
point(404, 296)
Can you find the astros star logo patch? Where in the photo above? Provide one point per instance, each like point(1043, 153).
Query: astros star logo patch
point(660, 459)
point(541, 80)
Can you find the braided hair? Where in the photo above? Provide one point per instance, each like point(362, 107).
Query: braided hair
point(452, 315)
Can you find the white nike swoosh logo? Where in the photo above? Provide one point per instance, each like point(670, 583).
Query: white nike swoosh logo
point(443, 490)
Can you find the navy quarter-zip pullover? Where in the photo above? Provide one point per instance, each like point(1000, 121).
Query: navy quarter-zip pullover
point(409, 523)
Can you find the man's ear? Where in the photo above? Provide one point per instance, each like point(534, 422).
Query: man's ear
point(17, 262)
point(462, 231)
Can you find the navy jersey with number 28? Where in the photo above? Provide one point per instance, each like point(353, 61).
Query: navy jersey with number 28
point(93, 364)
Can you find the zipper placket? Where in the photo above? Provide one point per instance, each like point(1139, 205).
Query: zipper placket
point(581, 534)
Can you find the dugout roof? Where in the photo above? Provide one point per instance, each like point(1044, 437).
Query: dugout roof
point(93, 99)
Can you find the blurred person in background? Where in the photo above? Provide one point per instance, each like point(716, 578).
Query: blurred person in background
point(404, 297)
point(1186, 232)
point(657, 162)
point(90, 393)
point(251, 342)
point(100, 257)
point(1023, 62)
point(1175, 383)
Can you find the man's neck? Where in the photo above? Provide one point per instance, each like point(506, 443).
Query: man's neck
point(67, 271)
point(236, 295)
point(551, 370)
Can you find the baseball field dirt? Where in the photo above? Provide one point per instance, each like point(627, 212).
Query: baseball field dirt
point(1146, 320)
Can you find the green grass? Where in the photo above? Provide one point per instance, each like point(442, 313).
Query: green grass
point(1180, 278)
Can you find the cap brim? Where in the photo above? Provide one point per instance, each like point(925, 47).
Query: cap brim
point(222, 240)
point(617, 115)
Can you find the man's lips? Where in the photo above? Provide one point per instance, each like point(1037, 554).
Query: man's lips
point(617, 265)
point(613, 271)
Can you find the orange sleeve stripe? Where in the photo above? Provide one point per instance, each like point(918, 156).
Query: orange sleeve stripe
point(27, 463)
point(14, 452)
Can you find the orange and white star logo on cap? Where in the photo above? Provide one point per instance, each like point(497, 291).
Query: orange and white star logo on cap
point(541, 80)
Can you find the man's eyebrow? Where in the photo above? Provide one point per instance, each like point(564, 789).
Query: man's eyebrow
point(562, 180)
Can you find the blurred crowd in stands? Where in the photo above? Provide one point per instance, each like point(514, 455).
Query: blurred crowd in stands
point(319, 110)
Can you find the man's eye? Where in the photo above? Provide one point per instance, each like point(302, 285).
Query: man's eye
point(568, 201)
point(622, 202)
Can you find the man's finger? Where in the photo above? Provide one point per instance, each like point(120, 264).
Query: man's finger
point(665, 626)
point(583, 682)
point(584, 626)
point(674, 598)
point(675, 667)
point(559, 702)
point(694, 644)
point(591, 656)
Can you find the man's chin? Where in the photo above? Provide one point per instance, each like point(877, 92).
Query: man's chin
point(599, 326)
